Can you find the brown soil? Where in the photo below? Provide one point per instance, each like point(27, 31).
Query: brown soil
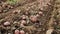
point(45, 15)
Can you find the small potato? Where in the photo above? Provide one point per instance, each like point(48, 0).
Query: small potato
point(40, 13)
point(22, 32)
point(33, 18)
point(23, 22)
point(16, 32)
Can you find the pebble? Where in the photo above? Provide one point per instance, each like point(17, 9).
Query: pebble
point(9, 33)
point(59, 11)
point(16, 11)
point(7, 23)
point(13, 28)
point(49, 31)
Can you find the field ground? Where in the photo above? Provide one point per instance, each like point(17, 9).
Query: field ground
point(30, 16)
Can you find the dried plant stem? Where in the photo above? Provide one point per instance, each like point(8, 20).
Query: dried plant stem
point(51, 21)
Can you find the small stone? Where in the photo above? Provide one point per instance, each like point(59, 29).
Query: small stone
point(16, 11)
point(8, 27)
point(49, 4)
point(9, 33)
point(59, 11)
point(10, 7)
point(14, 22)
point(26, 13)
point(13, 28)
point(27, 33)
point(5, 11)
point(49, 31)
point(28, 7)
point(43, 29)
point(6, 23)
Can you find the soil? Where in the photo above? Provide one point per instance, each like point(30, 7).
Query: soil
point(31, 16)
